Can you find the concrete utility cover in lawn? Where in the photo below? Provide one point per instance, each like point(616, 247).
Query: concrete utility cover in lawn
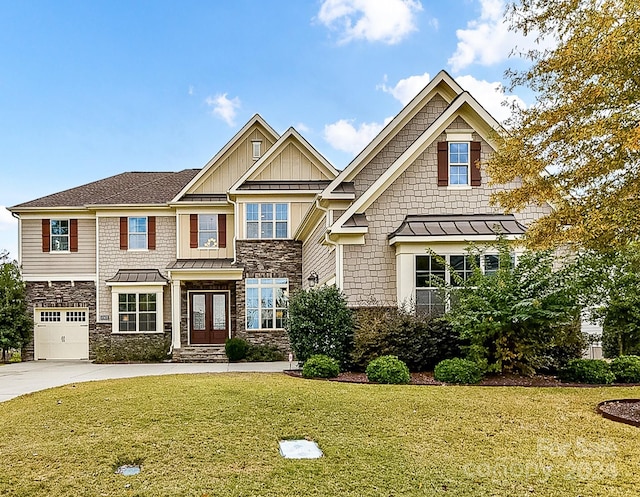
point(299, 449)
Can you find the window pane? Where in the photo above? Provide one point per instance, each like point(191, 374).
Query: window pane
point(252, 230)
point(267, 318)
point(491, 264)
point(267, 230)
point(281, 316)
point(458, 175)
point(59, 243)
point(281, 230)
point(266, 212)
point(422, 262)
point(207, 222)
point(148, 321)
point(138, 241)
point(281, 212)
point(281, 297)
point(252, 212)
point(59, 227)
point(458, 153)
point(127, 322)
point(252, 319)
point(198, 312)
point(137, 225)
point(219, 314)
point(266, 300)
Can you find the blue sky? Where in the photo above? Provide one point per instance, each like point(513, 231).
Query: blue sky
point(89, 89)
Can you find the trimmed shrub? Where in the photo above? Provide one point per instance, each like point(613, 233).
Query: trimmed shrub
point(388, 369)
point(626, 369)
point(236, 349)
point(320, 322)
point(457, 370)
point(595, 371)
point(320, 366)
point(420, 341)
point(264, 353)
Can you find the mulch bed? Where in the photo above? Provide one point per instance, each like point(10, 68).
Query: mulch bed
point(623, 411)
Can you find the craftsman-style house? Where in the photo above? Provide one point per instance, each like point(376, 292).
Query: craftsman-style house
point(190, 258)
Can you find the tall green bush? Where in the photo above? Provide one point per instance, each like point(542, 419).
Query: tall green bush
point(626, 369)
point(420, 341)
point(320, 322)
point(16, 326)
point(514, 317)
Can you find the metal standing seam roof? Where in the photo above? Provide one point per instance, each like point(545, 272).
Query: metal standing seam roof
point(138, 276)
point(452, 225)
point(312, 185)
point(203, 264)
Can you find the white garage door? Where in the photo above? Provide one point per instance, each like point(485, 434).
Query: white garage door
point(62, 334)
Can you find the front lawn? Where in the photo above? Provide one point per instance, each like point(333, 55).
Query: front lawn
point(217, 435)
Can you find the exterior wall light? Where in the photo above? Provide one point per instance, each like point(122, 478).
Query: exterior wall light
point(313, 279)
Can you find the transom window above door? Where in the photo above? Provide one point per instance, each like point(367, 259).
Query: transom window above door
point(267, 220)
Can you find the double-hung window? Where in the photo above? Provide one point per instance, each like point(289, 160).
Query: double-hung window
point(458, 163)
point(137, 312)
point(208, 230)
point(59, 235)
point(266, 303)
point(137, 233)
point(267, 221)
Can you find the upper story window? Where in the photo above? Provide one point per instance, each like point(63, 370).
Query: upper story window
point(208, 231)
point(256, 149)
point(458, 163)
point(267, 220)
point(137, 233)
point(59, 235)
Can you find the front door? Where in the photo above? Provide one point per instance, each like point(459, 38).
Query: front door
point(209, 317)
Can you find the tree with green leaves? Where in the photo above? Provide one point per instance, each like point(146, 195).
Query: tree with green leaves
point(16, 327)
point(522, 317)
point(320, 322)
point(578, 146)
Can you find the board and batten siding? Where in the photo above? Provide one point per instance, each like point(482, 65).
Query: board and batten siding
point(35, 262)
point(233, 166)
point(290, 164)
point(186, 252)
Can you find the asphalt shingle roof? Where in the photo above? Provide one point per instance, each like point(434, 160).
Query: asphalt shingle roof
point(124, 188)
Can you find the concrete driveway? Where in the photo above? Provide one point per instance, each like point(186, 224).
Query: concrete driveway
point(26, 377)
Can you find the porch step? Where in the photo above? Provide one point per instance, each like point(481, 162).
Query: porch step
point(213, 353)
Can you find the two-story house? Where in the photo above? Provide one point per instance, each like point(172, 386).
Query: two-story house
point(194, 257)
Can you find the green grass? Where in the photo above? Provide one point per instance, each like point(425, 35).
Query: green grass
point(217, 435)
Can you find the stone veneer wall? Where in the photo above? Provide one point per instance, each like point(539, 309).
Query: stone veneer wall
point(60, 294)
point(370, 269)
point(267, 259)
point(129, 346)
point(205, 286)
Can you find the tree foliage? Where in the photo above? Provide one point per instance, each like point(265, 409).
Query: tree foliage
point(320, 322)
point(519, 318)
point(16, 327)
point(578, 146)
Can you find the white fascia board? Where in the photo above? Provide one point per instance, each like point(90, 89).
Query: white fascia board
point(257, 118)
point(391, 129)
point(60, 277)
point(448, 239)
point(75, 214)
point(234, 274)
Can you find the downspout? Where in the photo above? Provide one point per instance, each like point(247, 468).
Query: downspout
point(19, 238)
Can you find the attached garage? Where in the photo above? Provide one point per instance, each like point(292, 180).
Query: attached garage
point(61, 333)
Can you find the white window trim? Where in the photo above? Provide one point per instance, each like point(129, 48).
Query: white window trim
point(259, 221)
point(217, 247)
point(259, 286)
point(256, 144)
point(129, 233)
point(459, 186)
point(116, 290)
point(51, 235)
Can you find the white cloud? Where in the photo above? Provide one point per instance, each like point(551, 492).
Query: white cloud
point(407, 88)
point(302, 128)
point(487, 40)
point(224, 107)
point(387, 21)
point(343, 135)
point(491, 96)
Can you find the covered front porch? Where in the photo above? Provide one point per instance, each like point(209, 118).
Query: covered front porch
point(203, 313)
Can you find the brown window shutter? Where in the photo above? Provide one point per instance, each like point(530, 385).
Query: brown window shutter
point(73, 235)
point(476, 179)
point(193, 231)
point(222, 230)
point(124, 233)
point(443, 164)
point(151, 232)
point(46, 235)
